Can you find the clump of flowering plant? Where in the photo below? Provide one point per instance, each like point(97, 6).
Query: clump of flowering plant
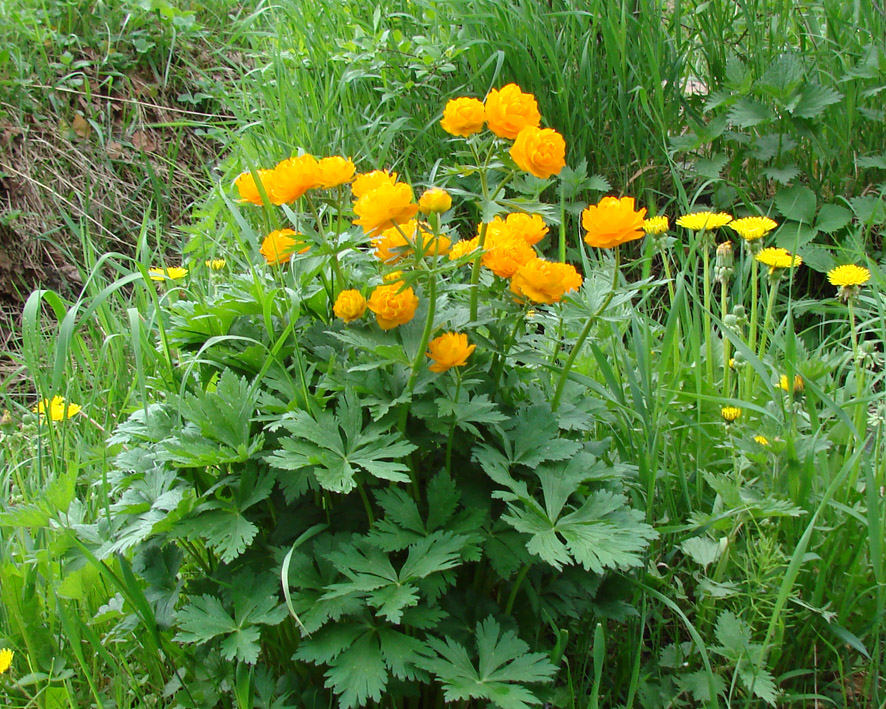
point(382, 499)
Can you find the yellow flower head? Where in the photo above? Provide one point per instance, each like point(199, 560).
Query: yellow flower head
point(655, 225)
point(798, 384)
point(463, 248)
point(292, 178)
point(529, 227)
point(173, 273)
point(435, 199)
point(393, 305)
point(545, 281)
point(394, 243)
point(334, 171)
point(539, 151)
point(245, 184)
point(762, 440)
point(56, 408)
point(368, 181)
point(612, 221)
point(463, 116)
point(778, 258)
point(278, 246)
point(216, 264)
point(730, 414)
point(6, 656)
point(752, 228)
point(509, 110)
point(848, 276)
point(384, 206)
point(451, 349)
point(504, 253)
point(349, 306)
point(707, 221)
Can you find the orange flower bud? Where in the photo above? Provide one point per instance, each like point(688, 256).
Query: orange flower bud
point(278, 246)
point(451, 349)
point(509, 110)
point(435, 199)
point(612, 221)
point(540, 151)
point(349, 306)
point(463, 116)
point(393, 305)
point(334, 171)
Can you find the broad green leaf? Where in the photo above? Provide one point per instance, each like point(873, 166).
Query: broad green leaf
point(869, 209)
point(782, 175)
point(224, 529)
point(832, 217)
point(358, 674)
point(782, 76)
point(797, 203)
point(467, 412)
point(697, 684)
point(747, 112)
point(814, 99)
point(702, 550)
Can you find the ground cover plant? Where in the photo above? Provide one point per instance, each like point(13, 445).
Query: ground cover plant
point(483, 431)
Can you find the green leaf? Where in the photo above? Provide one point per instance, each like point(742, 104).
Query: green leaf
point(747, 112)
point(832, 217)
point(797, 203)
point(817, 258)
point(782, 175)
point(702, 550)
point(466, 412)
point(223, 527)
point(504, 668)
point(223, 415)
point(782, 76)
point(794, 235)
point(711, 167)
point(813, 99)
point(869, 209)
point(358, 674)
point(696, 683)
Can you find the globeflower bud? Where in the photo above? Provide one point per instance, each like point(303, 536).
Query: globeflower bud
point(435, 199)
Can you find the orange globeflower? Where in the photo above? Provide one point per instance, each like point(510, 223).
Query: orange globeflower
point(463, 248)
point(368, 181)
point(385, 206)
point(292, 178)
point(393, 305)
point(463, 116)
point(505, 253)
point(509, 110)
point(393, 244)
point(349, 306)
point(545, 281)
point(334, 171)
point(612, 221)
point(435, 199)
point(245, 184)
point(540, 151)
point(278, 246)
point(451, 349)
point(529, 227)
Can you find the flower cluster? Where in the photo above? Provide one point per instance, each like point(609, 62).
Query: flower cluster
point(513, 115)
point(291, 178)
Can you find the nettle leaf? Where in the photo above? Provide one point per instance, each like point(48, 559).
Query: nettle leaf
point(797, 203)
point(503, 670)
point(813, 99)
point(335, 446)
point(734, 636)
point(747, 112)
point(205, 618)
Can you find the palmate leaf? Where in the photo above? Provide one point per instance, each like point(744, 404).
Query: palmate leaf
point(361, 659)
point(503, 669)
point(335, 446)
point(223, 415)
point(205, 618)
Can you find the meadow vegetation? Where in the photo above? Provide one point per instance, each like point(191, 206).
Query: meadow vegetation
point(399, 354)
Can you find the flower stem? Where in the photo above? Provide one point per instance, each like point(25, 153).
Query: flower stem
point(724, 307)
point(859, 376)
point(451, 437)
point(752, 332)
point(583, 335)
point(708, 328)
point(420, 354)
point(767, 319)
point(509, 606)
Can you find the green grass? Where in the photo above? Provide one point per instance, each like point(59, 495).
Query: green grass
point(787, 537)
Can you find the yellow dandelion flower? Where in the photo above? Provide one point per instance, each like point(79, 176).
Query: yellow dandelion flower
point(56, 408)
point(752, 228)
point(785, 385)
point(848, 276)
point(762, 440)
point(6, 656)
point(173, 273)
point(707, 221)
point(730, 414)
point(216, 264)
point(778, 258)
point(655, 225)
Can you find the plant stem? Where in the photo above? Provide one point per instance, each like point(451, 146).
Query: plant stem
point(752, 332)
point(708, 328)
point(583, 335)
point(451, 437)
point(724, 306)
point(509, 606)
point(767, 320)
point(420, 354)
